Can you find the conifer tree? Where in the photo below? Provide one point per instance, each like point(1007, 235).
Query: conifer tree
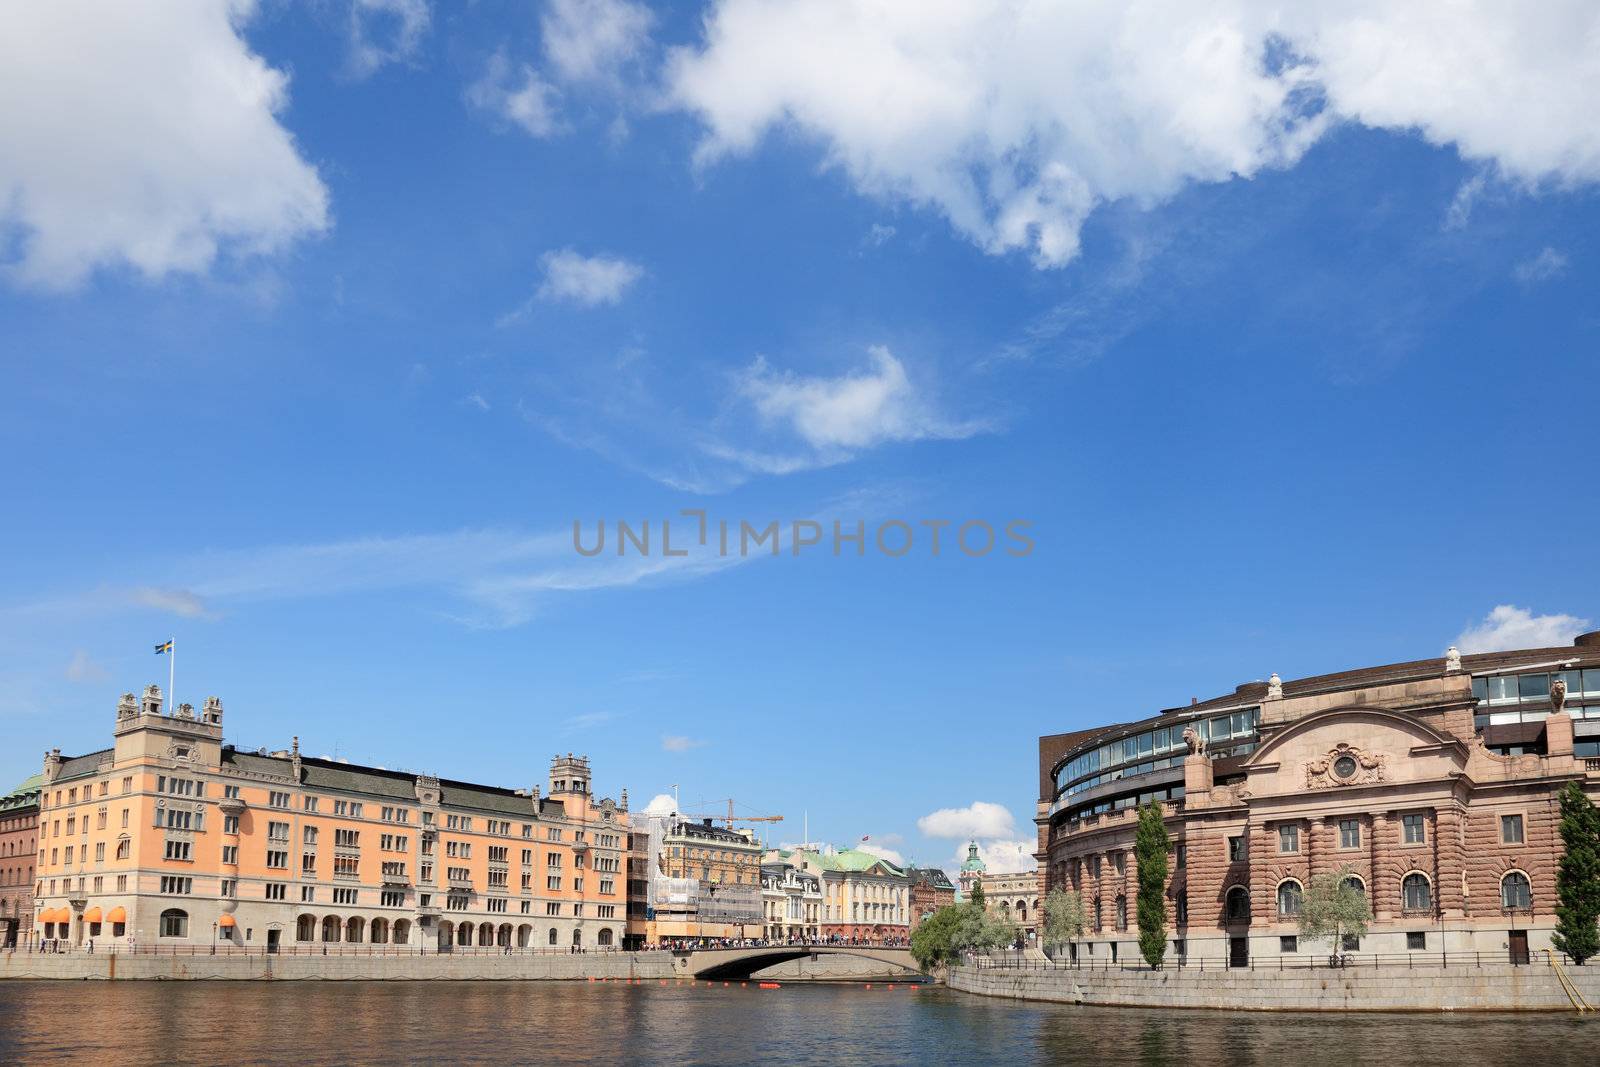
point(1578, 877)
point(1150, 844)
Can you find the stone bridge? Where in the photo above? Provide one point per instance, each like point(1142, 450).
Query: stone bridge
point(729, 963)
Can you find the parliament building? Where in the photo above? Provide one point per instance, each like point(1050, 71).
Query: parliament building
point(1431, 785)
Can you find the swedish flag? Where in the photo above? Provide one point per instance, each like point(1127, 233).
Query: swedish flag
point(165, 646)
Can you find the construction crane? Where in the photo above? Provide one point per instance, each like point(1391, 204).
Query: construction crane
point(731, 818)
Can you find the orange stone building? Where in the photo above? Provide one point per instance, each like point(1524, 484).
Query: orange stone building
point(1431, 784)
point(172, 838)
point(19, 851)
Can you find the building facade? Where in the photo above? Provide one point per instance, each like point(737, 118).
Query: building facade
point(1431, 786)
point(19, 851)
point(865, 898)
point(791, 903)
point(1016, 897)
point(171, 837)
point(930, 889)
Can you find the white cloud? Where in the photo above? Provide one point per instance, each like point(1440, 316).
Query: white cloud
point(678, 743)
point(661, 804)
point(1003, 856)
point(589, 40)
point(385, 31)
point(143, 135)
point(587, 720)
point(1509, 627)
point(882, 852)
point(1017, 119)
point(1548, 264)
point(177, 601)
point(852, 411)
point(586, 280)
point(84, 669)
point(517, 94)
point(980, 819)
point(476, 400)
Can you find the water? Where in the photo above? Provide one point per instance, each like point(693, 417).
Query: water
point(608, 1023)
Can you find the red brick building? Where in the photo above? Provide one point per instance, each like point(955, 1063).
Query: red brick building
point(931, 889)
point(1431, 784)
point(19, 849)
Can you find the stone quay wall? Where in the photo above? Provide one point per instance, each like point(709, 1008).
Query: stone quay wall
point(1492, 987)
point(610, 966)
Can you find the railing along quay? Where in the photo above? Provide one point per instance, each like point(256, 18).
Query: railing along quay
point(1349, 962)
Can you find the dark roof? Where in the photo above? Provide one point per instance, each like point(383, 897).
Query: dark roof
point(81, 766)
point(933, 876)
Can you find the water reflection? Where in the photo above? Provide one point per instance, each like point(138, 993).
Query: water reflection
point(606, 1023)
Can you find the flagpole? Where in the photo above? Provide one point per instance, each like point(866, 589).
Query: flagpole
point(172, 671)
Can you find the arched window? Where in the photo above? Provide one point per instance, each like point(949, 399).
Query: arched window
point(122, 848)
point(1415, 892)
point(305, 928)
point(1350, 881)
point(552, 936)
point(380, 931)
point(1122, 913)
point(1289, 894)
point(354, 928)
point(402, 932)
point(464, 934)
point(330, 929)
point(1515, 892)
point(577, 937)
point(1238, 905)
point(174, 923)
point(1098, 925)
point(605, 937)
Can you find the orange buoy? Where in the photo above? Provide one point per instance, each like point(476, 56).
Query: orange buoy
point(769, 985)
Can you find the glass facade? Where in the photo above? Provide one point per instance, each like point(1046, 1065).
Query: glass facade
point(1154, 750)
point(1501, 696)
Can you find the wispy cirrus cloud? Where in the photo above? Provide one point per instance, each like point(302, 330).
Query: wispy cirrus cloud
point(483, 578)
point(679, 743)
point(385, 31)
point(1549, 263)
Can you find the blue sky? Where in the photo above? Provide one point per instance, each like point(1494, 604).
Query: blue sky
point(322, 324)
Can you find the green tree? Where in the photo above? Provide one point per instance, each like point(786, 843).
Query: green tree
point(1064, 916)
point(1332, 908)
point(1150, 845)
point(933, 941)
point(1578, 877)
point(956, 929)
point(977, 892)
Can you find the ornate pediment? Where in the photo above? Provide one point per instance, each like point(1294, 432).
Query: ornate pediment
point(1345, 765)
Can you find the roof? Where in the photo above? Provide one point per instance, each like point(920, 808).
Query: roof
point(851, 859)
point(933, 876)
point(1054, 747)
point(26, 793)
point(81, 766)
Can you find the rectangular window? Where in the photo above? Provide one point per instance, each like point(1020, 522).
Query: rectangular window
point(1349, 833)
point(277, 860)
point(1511, 829)
point(552, 907)
point(178, 850)
point(277, 890)
point(1414, 832)
point(1288, 943)
point(277, 831)
point(344, 896)
point(553, 882)
point(347, 838)
point(1236, 851)
point(311, 803)
point(230, 855)
point(276, 799)
point(308, 894)
point(175, 885)
point(230, 824)
point(1416, 940)
point(1288, 838)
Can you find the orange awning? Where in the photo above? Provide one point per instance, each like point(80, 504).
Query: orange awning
point(48, 915)
point(227, 921)
point(118, 914)
point(92, 915)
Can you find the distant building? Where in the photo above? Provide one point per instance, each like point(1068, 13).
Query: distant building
point(1016, 897)
point(972, 869)
point(172, 838)
point(865, 897)
point(791, 902)
point(931, 889)
point(19, 849)
point(705, 879)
